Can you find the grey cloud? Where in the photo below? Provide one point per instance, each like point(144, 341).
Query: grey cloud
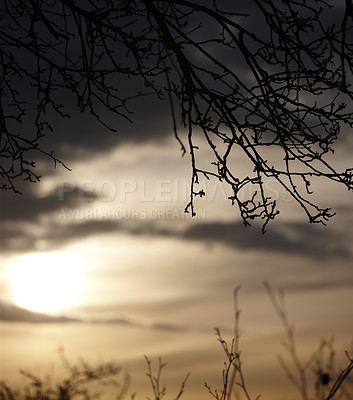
point(118, 321)
point(20, 214)
point(299, 239)
point(16, 240)
point(170, 327)
point(23, 238)
point(319, 285)
point(292, 238)
point(164, 326)
point(87, 228)
point(12, 313)
point(29, 206)
point(81, 137)
point(172, 306)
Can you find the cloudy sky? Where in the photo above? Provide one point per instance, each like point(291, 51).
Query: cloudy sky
point(103, 260)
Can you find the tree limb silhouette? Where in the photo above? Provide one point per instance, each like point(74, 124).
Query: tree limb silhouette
point(274, 97)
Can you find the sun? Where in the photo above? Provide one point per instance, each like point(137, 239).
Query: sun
point(45, 282)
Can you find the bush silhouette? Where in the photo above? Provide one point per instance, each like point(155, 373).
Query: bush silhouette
point(81, 382)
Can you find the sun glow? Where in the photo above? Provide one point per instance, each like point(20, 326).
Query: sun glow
point(45, 282)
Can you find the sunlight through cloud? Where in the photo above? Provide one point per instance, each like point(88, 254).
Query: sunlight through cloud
point(45, 282)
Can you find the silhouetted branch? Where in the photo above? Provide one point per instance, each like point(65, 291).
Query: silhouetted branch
point(155, 380)
point(232, 373)
point(298, 372)
point(275, 98)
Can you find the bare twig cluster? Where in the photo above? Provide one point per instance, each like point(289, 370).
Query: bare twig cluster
point(232, 374)
point(327, 382)
point(159, 390)
point(80, 384)
point(319, 369)
point(320, 363)
point(275, 97)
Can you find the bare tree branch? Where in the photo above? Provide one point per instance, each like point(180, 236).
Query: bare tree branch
point(275, 98)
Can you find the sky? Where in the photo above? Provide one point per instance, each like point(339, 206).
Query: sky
point(103, 261)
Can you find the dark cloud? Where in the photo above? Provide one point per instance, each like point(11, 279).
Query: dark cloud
point(16, 239)
point(172, 306)
point(63, 206)
point(23, 238)
point(300, 239)
point(170, 327)
point(79, 134)
point(21, 214)
point(292, 238)
point(164, 326)
point(12, 313)
point(82, 136)
point(63, 234)
point(86, 228)
point(319, 285)
point(28, 206)
point(118, 321)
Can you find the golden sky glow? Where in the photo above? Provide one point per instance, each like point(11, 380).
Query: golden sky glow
point(145, 279)
point(102, 256)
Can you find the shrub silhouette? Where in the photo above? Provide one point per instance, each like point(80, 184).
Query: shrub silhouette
point(319, 369)
point(80, 384)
